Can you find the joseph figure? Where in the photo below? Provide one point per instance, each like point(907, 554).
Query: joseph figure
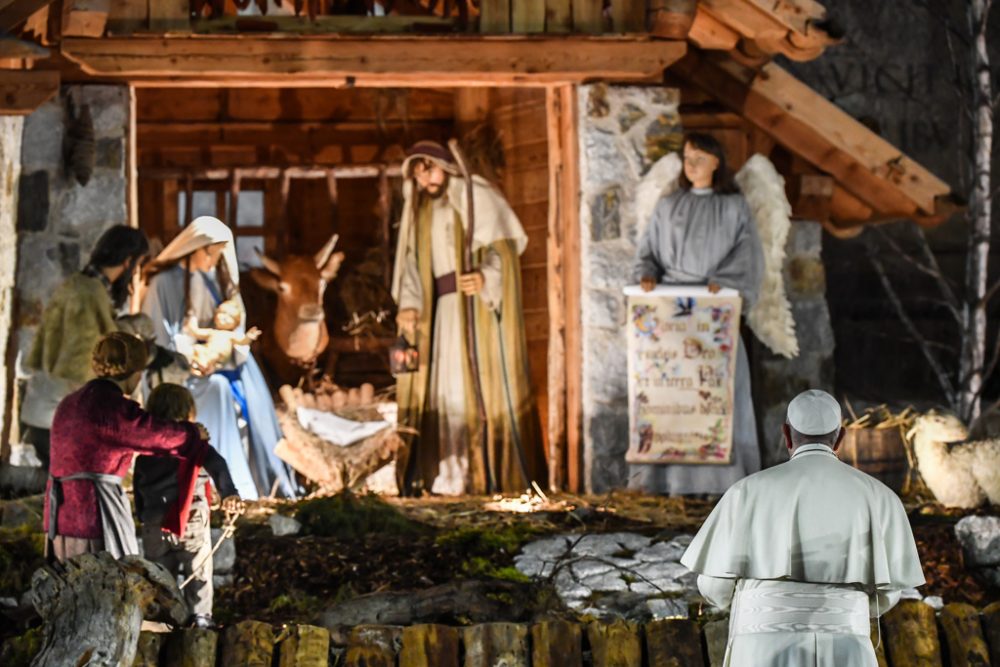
point(455, 453)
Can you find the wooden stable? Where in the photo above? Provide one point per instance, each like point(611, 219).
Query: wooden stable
point(313, 112)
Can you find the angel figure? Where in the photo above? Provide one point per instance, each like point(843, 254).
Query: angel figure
point(704, 226)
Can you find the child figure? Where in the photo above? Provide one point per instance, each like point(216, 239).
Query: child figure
point(216, 346)
point(175, 522)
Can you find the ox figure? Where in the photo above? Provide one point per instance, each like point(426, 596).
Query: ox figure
point(298, 335)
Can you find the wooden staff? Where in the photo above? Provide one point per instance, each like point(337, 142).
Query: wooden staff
point(470, 305)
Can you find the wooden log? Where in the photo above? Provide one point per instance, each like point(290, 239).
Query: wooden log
point(429, 645)
point(716, 639)
point(910, 632)
point(191, 647)
point(93, 605)
point(964, 635)
point(372, 646)
point(492, 644)
point(147, 653)
point(249, 643)
point(23, 91)
point(305, 646)
point(556, 644)
point(991, 631)
point(674, 643)
point(615, 644)
point(334, 468)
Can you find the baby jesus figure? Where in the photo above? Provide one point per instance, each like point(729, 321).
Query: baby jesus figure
point(215, 345)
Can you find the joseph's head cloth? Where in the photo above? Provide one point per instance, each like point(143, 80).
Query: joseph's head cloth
point(814, 412)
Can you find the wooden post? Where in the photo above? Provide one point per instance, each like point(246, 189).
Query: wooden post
point(372, 646)
point(11, 129)
point(249, 643)
point(556, 644)
point(191, 647)
point(910, 632)
point(964, 634)
point(558, 16)
point(429, 646)
point(615, 644)
point(147, 653)
point(305, 646)
point(487, 643)
point(23, 91)
point(572, 281)
point(628, 15)
point(557, 300)
point(385, 213)
point(494, 17)
point(234, 200)
point(674, 643)
point(85, 18)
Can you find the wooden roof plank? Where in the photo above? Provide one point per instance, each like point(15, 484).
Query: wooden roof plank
point(23, 91)
point(428, 59)
point(711, 34)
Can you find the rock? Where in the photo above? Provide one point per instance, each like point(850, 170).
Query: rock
point(282, 525)
point(934, 602)
point(663, 135)
point(597, 100)
point(583, 514)
point(663, 608)
point(222, 581)
point(110, 153)
point(910, 594)
point(629, 115)
point(980, 540)
point(41, 141)
point(225, 558)
point(605, 215)
point(661, 552)
point(33, 202)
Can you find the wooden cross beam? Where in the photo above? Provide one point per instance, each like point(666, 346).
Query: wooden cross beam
point(23, 91)
point(13, 12)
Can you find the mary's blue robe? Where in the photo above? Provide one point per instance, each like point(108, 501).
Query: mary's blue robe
point(222, 396)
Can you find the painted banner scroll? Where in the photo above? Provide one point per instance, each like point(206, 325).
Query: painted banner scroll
point(681, 365)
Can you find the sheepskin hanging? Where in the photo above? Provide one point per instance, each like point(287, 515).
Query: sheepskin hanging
point(79, 146)
point(771, 317)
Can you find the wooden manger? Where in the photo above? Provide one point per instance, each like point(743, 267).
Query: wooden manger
point(333, 467)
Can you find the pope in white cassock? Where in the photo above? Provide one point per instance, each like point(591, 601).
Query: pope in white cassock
point(805, 552)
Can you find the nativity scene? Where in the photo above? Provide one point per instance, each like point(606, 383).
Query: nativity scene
point(633, 332)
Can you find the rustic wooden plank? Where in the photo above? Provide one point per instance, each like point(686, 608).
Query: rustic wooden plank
point(372, 646)
point(305, 646)
point(84, 18)
point(318, 104)
point(127, 16)
point(558, 16)
point(147, 652)
point(531, 185)
point(628, 16)
point(556, 644)
point(615, 644)
point(709, 33)
point(21, 49)
point(491, 644)
point(471, 109)
point(15, 12)
point(429, 645)
point(169, 15)
point(249, 643)
point(428, 60)
point(964, 635)
point(527, 16)
point(674, 643)
point(171, 104)
point(745, 17)
point(192, 647)
point(588, 16)
point(572, 287)
point(23, 91)
point(372, 25)
point(556, 355)
point(494, 17)
point(793, 14)
point(910, 633)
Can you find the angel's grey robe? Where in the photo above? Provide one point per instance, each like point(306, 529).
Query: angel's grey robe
point(695, 237)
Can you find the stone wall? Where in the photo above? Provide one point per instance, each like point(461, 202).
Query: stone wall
point(623, 131)
point(59, 220)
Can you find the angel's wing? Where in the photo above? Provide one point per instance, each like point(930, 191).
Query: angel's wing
point(659, 181)
point(771, 317)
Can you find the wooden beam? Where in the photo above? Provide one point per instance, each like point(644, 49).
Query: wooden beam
point(23, 91)
point(628, 16)
point(796, 15)
point(558, 16)
point(169, 15)
point(268, 172)
point(127, 16)
point(557, 293)
point(744, 16)
point(709, 33)
point(871, 169)
point(494, 17)
point(12, 47)
point(527, 16)
point(14, 12)
point(84, 18)
point(427, 60)
point(323, 24)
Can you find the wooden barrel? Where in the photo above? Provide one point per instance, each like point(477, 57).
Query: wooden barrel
point(879, 452)
point(671, 19)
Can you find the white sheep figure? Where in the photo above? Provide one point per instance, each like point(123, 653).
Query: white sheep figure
point(959, 472)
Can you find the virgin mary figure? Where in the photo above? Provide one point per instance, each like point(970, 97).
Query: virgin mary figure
point(193, 275)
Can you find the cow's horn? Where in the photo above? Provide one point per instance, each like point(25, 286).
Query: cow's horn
point(268, 263)
point(323, 256)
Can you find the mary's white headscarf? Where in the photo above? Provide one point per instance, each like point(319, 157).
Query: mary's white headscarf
point(203, 231)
